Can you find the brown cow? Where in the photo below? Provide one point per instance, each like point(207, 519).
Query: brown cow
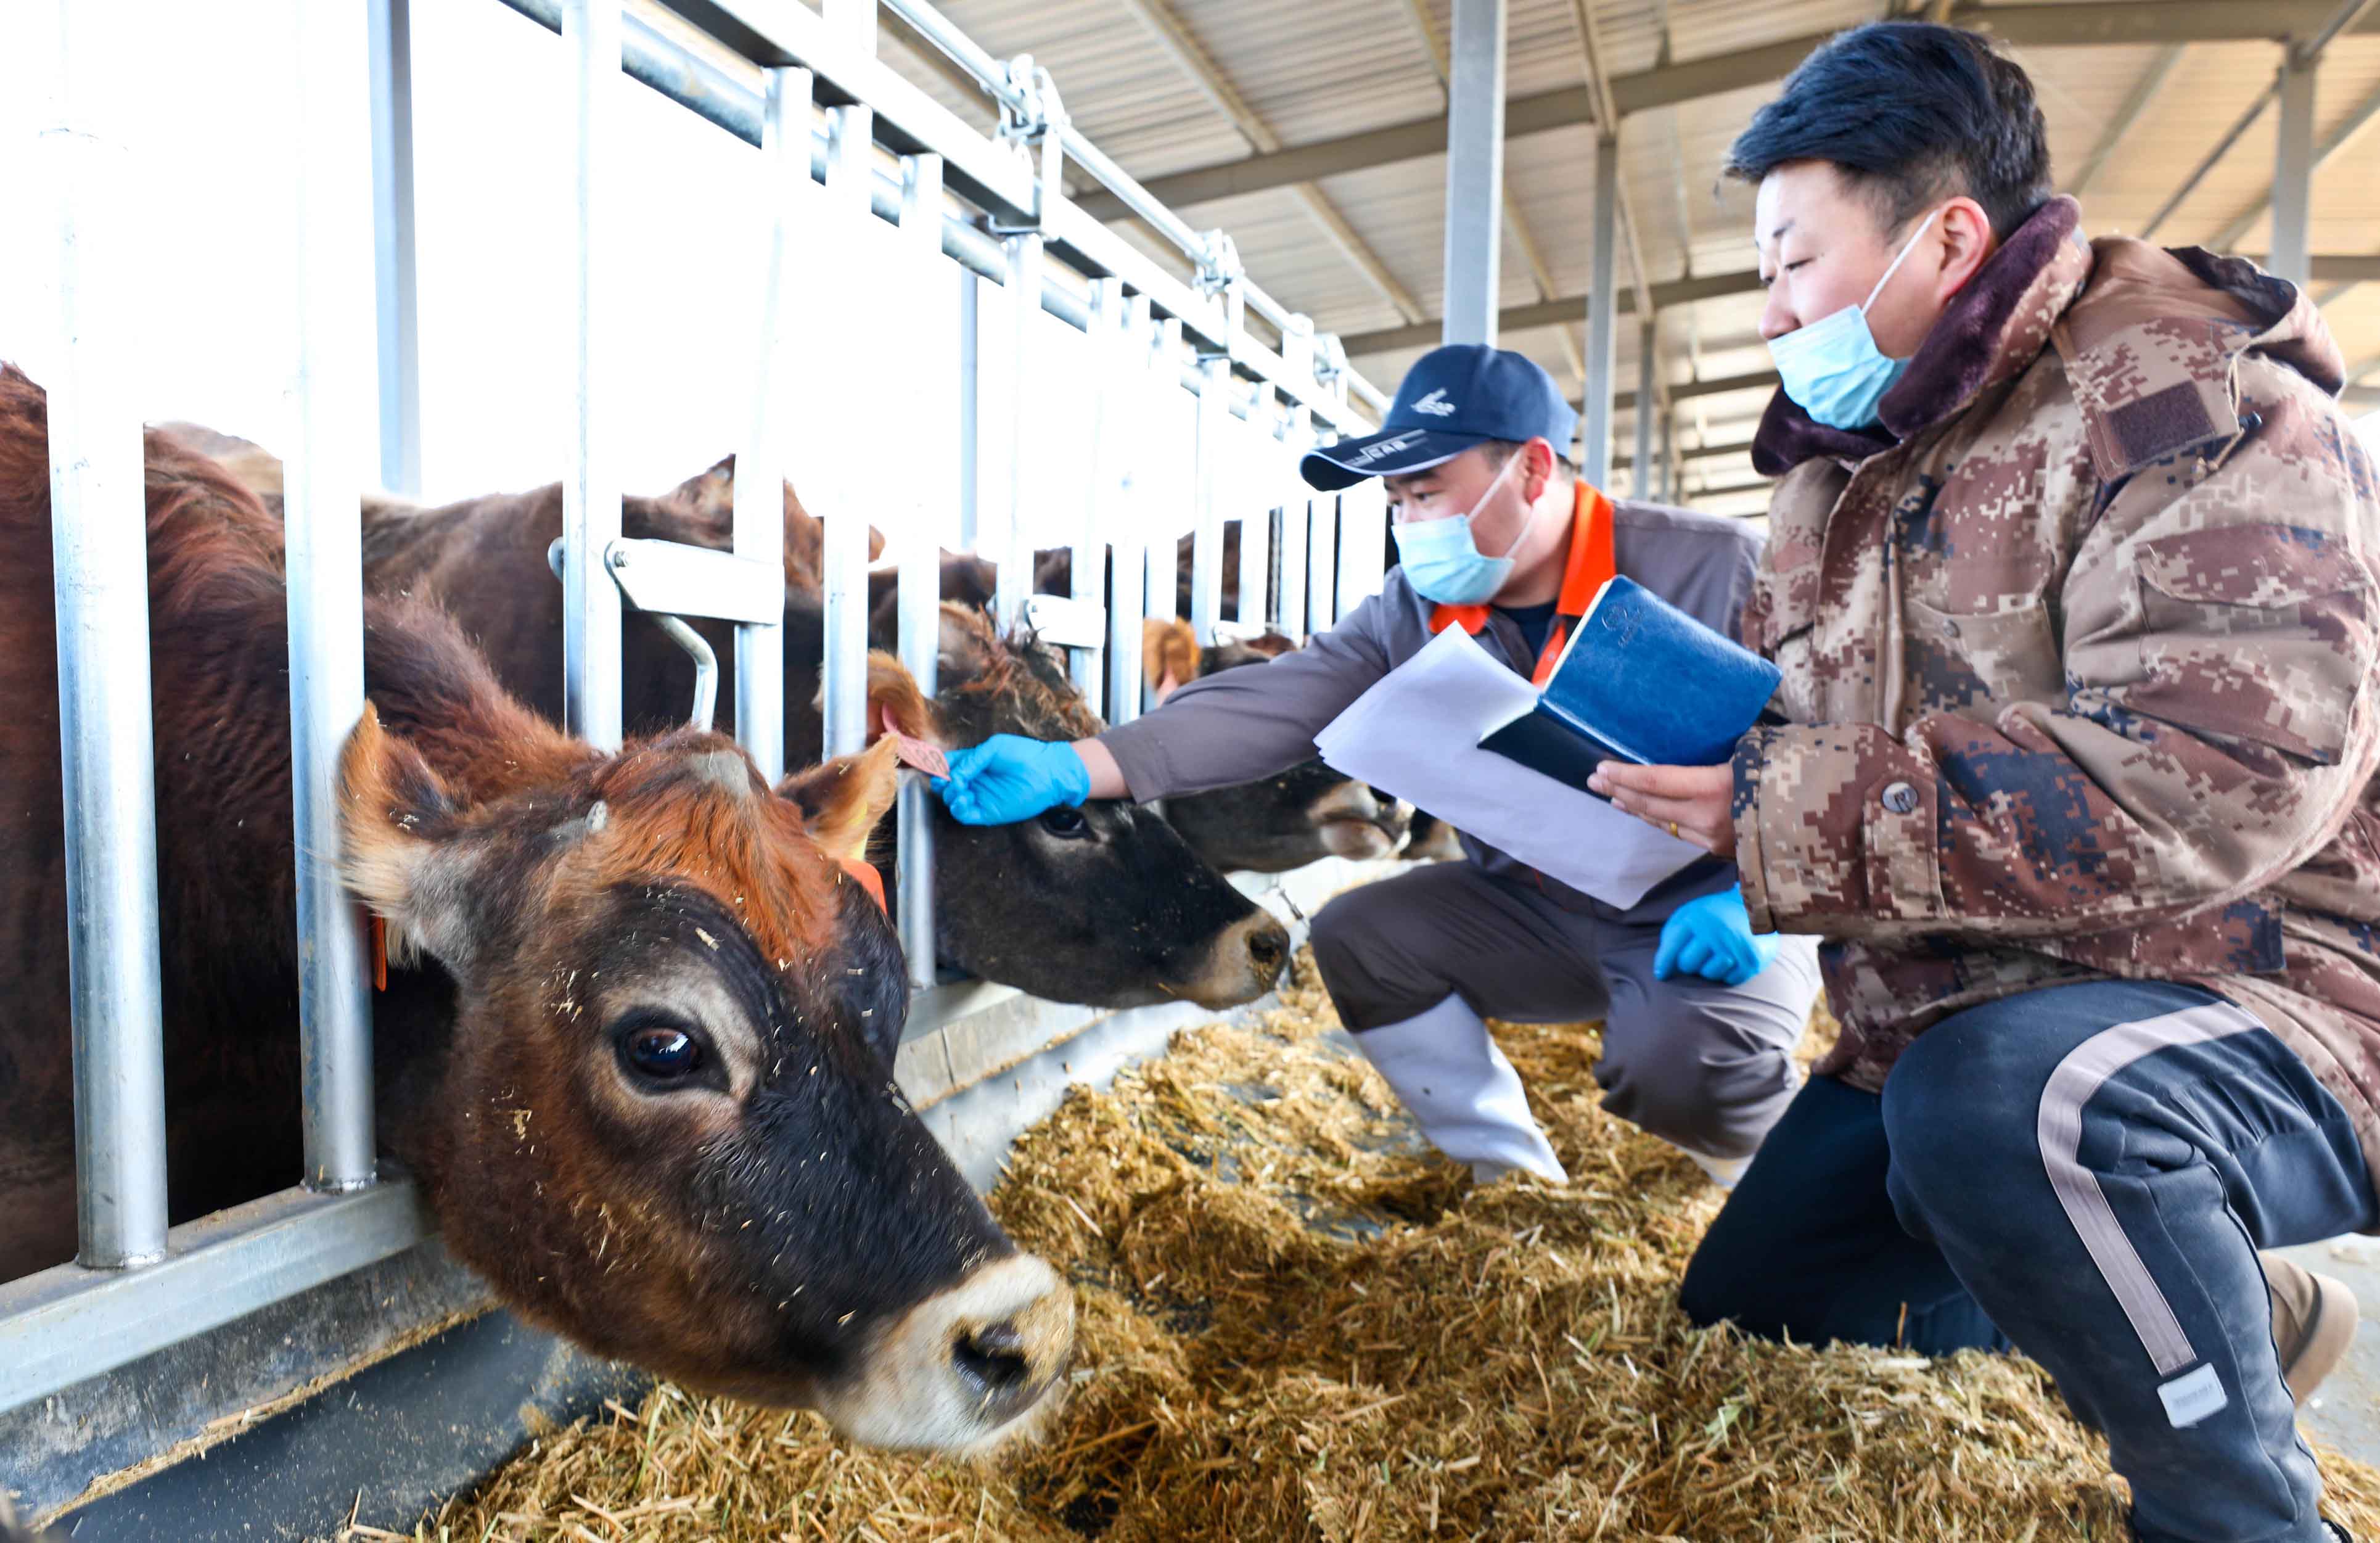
point(1111, 908)
point(1280, 823)
point(641, 1065)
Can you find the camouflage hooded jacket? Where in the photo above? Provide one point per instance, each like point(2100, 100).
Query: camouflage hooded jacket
point(2077, 655)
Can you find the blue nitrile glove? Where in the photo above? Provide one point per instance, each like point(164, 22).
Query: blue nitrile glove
point(1712, 937)
point(1008, 777)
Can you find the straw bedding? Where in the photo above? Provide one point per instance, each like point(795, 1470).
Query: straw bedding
point(1297, 1325)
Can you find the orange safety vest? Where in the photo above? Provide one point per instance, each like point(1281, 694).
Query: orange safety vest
point(1589, 569)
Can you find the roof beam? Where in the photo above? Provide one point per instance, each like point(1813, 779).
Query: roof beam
point(2346, 134)
point(2087, 24)
point(1562, 311)
point(1763, 380)
point(1696, 453)
point(2128, 114)
point(1193, 60)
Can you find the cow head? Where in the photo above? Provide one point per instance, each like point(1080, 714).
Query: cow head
point(1101, 904)
point(665, 1122)
point(1301, 815)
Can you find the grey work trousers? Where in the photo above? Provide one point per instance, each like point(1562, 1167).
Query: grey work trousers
point(1706, 1066)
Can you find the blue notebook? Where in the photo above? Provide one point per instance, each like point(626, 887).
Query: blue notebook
point(1640, 680)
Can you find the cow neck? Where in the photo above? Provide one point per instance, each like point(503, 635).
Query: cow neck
point(1584, 573)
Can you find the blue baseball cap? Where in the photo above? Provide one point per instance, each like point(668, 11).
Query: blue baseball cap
point(1452, 398)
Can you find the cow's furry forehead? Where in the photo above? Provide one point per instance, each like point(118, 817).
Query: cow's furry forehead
point(1015, 688)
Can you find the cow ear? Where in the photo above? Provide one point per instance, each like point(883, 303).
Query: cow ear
point(711, 492)
point(895, 704)
point(968, 648)
point(1169, 654)
point(842, 800)
point(397, 845)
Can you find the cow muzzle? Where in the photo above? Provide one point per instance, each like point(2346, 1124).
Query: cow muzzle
point(1359, 822)
point(968, 1369)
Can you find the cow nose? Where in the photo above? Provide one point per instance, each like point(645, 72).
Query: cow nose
point(995, 1359)
point(1269, 951)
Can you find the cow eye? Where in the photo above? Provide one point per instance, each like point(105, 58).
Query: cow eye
point(659, 1052)
point(1066, 825)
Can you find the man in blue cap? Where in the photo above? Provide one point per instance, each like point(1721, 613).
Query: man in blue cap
point(1498, 536)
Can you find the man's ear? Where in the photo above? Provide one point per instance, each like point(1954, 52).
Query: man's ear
point(1966, 243)
point(841, 800)
point(398, 852)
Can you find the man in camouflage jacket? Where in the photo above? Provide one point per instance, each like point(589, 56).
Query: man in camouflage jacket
point(2072, 765)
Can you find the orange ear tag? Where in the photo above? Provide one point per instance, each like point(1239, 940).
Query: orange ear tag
point(379, 952)
point(866, 876)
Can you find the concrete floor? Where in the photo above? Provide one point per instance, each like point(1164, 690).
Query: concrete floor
point(2346, 1413)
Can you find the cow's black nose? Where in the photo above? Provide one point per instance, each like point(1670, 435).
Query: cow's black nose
point(993, 1356)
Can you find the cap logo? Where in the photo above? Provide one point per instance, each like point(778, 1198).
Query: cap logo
point(1436, 404)
point(1371, 453)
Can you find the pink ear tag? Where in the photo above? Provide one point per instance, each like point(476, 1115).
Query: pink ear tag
point(919, 754)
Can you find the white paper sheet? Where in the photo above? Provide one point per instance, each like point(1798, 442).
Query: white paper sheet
point(1416, 735)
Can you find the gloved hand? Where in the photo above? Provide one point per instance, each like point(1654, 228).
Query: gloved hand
point(1008, 777)
point(1712, 937)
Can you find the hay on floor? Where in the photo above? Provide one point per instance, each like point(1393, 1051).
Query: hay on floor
point(1297, 1325)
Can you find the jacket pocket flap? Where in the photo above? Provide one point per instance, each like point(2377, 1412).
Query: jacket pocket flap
point(2268, 566)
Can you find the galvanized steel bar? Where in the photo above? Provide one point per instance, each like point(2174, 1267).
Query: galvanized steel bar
point(2293, 170)
point(1014, 550)
point(1668, 458)
point(324, 477)
point(1640, 480)
point(1089, 563)
point(785, 198)
point(591, 486)
point(1363, 542)
point(918, 605)
point(845, 513)
point(1602, 320)
point(1206, 531)
point(99, 547)
point(1122, 371)
point(395, 289)
point(69, 1324)
point(1475, 172)
point(1161, 591)
point(1322, 564)
point(1296, 438)
point(1253, 490)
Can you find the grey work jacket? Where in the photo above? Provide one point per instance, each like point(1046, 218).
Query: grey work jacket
point(1243, 724)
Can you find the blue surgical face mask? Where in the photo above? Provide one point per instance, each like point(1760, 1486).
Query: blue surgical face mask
point(1441, 563)
point(1833, 369)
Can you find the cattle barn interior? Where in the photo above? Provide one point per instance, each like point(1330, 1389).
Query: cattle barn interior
point(997, 279)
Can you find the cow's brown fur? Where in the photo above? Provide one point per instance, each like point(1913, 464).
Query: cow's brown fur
point(560, 890)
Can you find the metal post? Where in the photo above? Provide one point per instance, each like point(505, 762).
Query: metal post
point(1475, 170)
point(1669, 457)
point(1206, 533)
point(784, 186)
point(1090, 556)
point(920, 599)
point(1322, 562)
point(1160, 588)
point(971, 468)
point(1253, 494)
point(393, 293)
point(1125, 365)
point(98, 523)
point(1640, 480)
point(331, 131)
point(1015, 548)
point(2293, 171)
point(1602, 320)
point(1297, 439)
point(849, 223)
point(590, 488)
point(1363, 542)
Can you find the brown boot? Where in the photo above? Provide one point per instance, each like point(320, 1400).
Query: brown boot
point(2313, 1322)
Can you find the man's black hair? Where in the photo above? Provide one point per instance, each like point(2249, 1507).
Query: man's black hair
point(1911, 113)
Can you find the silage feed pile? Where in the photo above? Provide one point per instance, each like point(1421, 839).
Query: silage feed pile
point(1295, 1325)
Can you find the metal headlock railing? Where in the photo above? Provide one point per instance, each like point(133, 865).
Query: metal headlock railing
point(869, 186)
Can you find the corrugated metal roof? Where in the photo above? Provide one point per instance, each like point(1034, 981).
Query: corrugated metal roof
point(1319, 70)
